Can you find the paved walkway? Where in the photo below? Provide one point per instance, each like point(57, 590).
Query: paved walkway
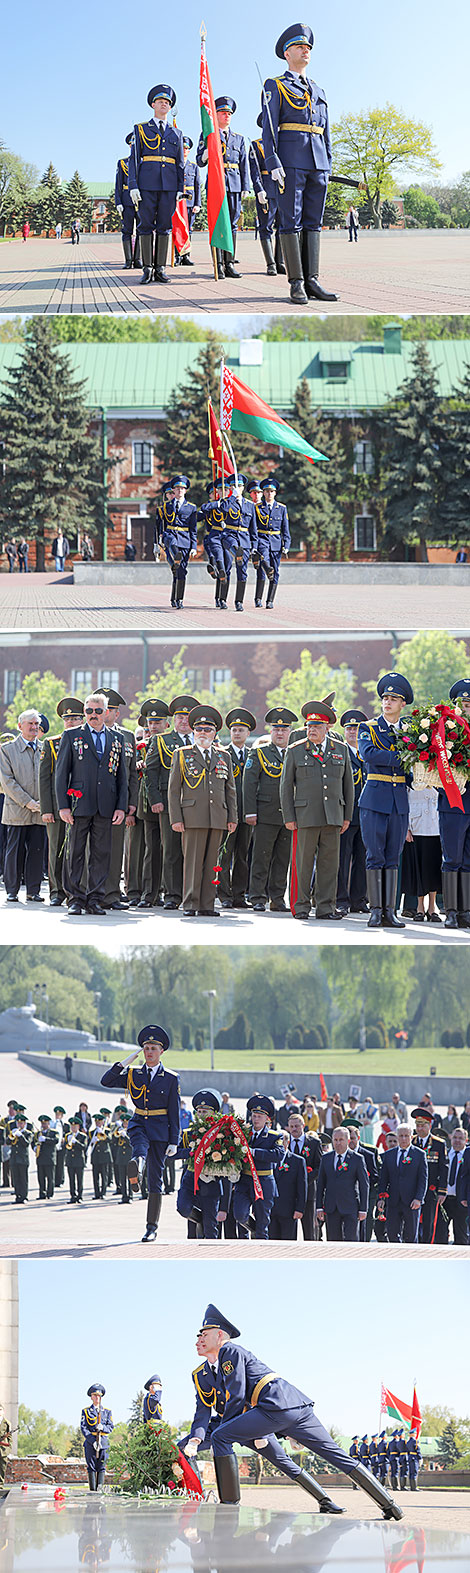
point(31, 601)
point(424, 271)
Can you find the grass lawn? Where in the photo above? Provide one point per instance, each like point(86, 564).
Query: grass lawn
point(361, 1067)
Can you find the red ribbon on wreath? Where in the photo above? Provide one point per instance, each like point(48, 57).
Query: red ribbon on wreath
point(226, 1123)
point(438, 742)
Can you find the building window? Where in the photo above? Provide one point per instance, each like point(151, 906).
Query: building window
point(81, 679)
point(11, 684)
point(364, 463)
point(194, 678)
point(142, 458)
point(108, 678)
point(219, 674)
point(336, 370)
point(365, 533)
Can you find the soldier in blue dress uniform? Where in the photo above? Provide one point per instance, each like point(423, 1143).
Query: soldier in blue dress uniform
point(272, 522)
point(383, 804)
point(176, 529)
point(152, 1405)
point(403, 1461)
point(266, 194)
point(154, 1127)
point(96, 1425)
point(216, 545)
point(373, 1455)
point(266, 1153)
point(156, 180)
point(240, 535)
point(415, 1459)
point(351, 894)
point(393, 1455)
point(237, 176)
point(297, 145)
point(192, 196)
point(209, 1205)
point(454, 831)
point(382, 1457)
point(364, 1451)
point(127, 212)
point(260, 1402)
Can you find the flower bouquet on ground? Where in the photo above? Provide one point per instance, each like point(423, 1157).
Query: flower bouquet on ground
point(147, 1460)
point(218, 1147)
point(435, 745)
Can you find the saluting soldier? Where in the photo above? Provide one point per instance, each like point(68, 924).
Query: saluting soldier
point(75, 1158)
point(266, 196)
point(234, 874)
point(112, 897)
point(351, 894)
point(383, 804)
point(176, 529)
point(433, 1226)
point(208, 1206)
point(237, 176)
point(96, 1425)
point(152, 1405)
point(70, 711)
point(157, 774)
point(266, 1153)
point(149, 811)
point(154, 1126)
point(454, 831)
point(127, 212)
point(240, 535)
point(19, 1142)
point(297, 145)
point(262, 810)
point(192, 196)
point(202, 804)
point(216, 547)
point(272, 522)
point(317, 799)
point(91, 773)
point(45, 1147)
point(156, 180)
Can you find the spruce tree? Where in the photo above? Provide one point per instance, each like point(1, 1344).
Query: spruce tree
point(113, 219)
point(77, 202)
point(53, 471)
point(312, 492)
point(455, 453)
point(413, 483)
point(447, 1447)
point(49, 198)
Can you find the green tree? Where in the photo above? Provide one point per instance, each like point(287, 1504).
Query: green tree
point(75, 1447)
point(172, 680)
point(353, 329)
point(53, 468)
point(77, 202)
point(18, 181)
point(448, 1450)
point(414, 475)
point(456, 499)
point(135, 1411)
point(275, 999)
point(425, 209)
point(68, 986)
point(376, 146)
point(431, 660)
point(39, 1433)
point(315, 491)
point(388, 978)
point(39, 691)
point(126, 330)
point(113, 219)
point(50, 187)
point(313, 680)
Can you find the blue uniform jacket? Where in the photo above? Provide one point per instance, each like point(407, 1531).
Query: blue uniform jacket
point(156, 161)
point(296, 104)
point(247, 1382)
point(273, 525)
point(181, 521)
point(265, 1151)
point(121, 184)
point(376, 746)
point(152, 1409)
point(342, 1190)
point(415, 1456)
point(192, 185)
point(260, 176)
point(237, 174)
point(100, 779)
point(291, 1181)
point(213, 517)
point(91, 1419)
point(359, 776)
point(240, 517)
point(210, 1397)
point(223, 1184)
point(407, 1182)
point(161, 1116)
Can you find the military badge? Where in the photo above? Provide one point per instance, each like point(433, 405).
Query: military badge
point(227, 1368)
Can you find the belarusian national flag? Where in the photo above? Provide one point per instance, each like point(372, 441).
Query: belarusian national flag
point(218, 216)
point(215, 444)
point(394, 1407)
point(243, 410)
point(180, 228)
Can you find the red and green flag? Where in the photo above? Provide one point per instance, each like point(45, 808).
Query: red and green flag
point(218, 216)
point(395, 1408)
point(243, 410)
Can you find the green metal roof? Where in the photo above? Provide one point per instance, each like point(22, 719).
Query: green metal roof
point(143, 376)
point(100, 188)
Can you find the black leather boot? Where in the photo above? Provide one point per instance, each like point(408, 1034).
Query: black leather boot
point(91, 1478)
point(221, 264)
point(227, 1477)
point(161, 255)
point(100, 1478)
point(390, 920)
point(374, 893)
point(378, 1493)
point(268, 254)
point(180, 589)
point(312, 267)
point(240, 594)
point(464, 908)
point(223, 593)
point(270, 595)
point(137, 259)
point(154, 1207)
point(127, 249)
point(314, 1490)
point(146, 244)
point(278, 254)
point(259, 588)
point(450, 895)
point(231, 271)
point(174, 590)
point(293, 261)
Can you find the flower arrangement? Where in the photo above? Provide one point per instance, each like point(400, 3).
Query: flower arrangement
point(435, 745)
point(148, 1460)
point(220, 1143)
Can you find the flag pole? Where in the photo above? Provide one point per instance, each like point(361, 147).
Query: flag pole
point(231, 455)
point(211, 455)
point(203, 36)
point(222, 368)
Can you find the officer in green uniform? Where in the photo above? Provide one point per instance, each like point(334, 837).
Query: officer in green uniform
point(70, 711)
point(262, 810)
point(75, 1158)
point(46, 1143)
point(155, 715)
point(317, 800)
point(134, 836)
point(112, 895)
point(234, 859)
point(202, 804)
point(157, 770)
point(19, 1140)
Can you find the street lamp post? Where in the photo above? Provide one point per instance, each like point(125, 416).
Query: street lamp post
point(98, 1020)
point(211, 995)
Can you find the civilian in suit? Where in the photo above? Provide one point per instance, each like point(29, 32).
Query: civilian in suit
point(291, 1200)
point(371, 1161)
point(342, 1189)
point(234, 858)
point(19, 776)
point(309, 1147)
point(403, 1185)
point(113, 900)
point(458, 1186)
point(91, 771)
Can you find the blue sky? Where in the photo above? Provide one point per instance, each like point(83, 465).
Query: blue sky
point(75, 80)
point(336, 1329)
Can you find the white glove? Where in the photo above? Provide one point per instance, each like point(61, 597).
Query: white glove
point(135, 196)
point(179, 196)
point(196, 210)
point(191, 1447)
point(170, 1152)
point(119, 209)
point(262, 1441)
point(276, 174)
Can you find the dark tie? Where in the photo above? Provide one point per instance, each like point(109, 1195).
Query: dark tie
point(297, 1148)
point(149, 1077)
point(453, 1169)
point(242, 757)
point(207, 758)
point(98, 743)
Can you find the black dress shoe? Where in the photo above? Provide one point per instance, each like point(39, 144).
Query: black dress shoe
point(96, 909)
point(241, 905)
point(208, 912)
point(12, 898)
point(56, 901)
point(258, 602)
point(258, 906)
point(75, 909)
point(36, 898)
point(144, 902)
point(277, 906)
point(189, 912)
point(302, 917)
point(330, 917)
point(231, 272)
point(150, 1234)
point(170, 905)
point(239, 607)
point(227, 905)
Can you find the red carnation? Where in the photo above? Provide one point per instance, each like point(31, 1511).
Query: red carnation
point(73, 792)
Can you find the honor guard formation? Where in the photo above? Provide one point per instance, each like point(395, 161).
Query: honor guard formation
point(279, 817)
point(336, 1173)
point(236, 530)
point(288, 166)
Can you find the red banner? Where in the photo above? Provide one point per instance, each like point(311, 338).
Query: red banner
point(180, 228)
point(416, 1417)
point(438, 742)
point(226, 1124)
point(191, 1479)
point(323, 1091)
